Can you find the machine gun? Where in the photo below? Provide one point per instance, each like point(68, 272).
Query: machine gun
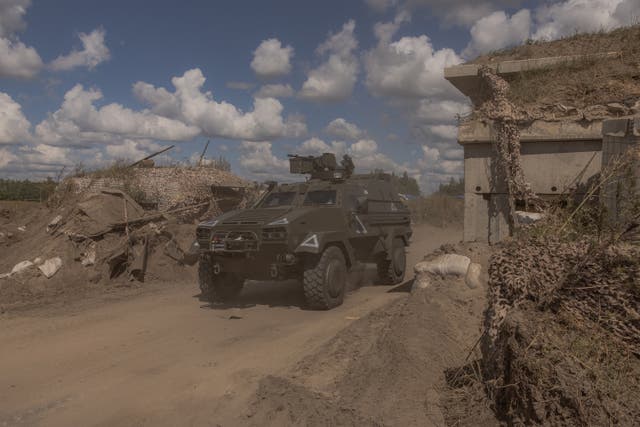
point(322, 167)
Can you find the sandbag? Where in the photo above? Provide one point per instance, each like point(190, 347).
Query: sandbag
point(444, 265)
point(524, 218)
point(472, 278)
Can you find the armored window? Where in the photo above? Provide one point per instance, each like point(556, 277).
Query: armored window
point(277, 199)
point(320, 198)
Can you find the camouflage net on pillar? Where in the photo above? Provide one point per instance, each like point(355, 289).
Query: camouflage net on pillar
point(506, 116)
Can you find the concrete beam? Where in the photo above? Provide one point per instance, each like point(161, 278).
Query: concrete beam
point(622, 127)
point(465, 77)
point(476, 131)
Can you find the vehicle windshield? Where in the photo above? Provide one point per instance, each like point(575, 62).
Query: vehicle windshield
point(320, 197)
point(279, 198)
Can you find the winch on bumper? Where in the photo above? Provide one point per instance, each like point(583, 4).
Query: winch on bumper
point(244, 253)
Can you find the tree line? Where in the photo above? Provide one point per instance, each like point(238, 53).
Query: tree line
point(13, 189)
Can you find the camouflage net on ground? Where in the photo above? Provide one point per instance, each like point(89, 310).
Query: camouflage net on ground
point(562, 329)
point(506, 116)
point(593, 282)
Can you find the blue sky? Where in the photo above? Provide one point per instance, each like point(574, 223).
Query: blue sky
point(89, 82)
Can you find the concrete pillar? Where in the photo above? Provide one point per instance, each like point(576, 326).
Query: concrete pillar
point(476, 218)
point(618, 137)
point(498, 217)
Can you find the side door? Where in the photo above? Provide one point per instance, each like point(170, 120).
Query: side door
point(359, 233)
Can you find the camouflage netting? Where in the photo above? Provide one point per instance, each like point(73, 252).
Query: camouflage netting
point(594, 283)
point(562, 342)
point(506, 116)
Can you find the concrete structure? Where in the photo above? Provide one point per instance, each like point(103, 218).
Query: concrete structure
point(556, 155)
point(465, 77)
point(618, 138)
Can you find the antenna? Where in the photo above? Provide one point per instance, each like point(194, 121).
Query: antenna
point(203, 151)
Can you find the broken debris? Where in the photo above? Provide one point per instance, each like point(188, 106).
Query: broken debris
point(50, 267)
point(21, 266)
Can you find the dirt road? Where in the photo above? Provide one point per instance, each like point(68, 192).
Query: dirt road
point(165, 358)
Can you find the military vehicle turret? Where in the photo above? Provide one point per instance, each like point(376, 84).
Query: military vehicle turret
point(314, 231)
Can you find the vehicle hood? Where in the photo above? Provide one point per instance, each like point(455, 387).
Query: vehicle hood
point(252, 216)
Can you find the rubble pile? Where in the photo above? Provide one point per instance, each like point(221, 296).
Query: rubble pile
point(164, 187)
point(96, 240)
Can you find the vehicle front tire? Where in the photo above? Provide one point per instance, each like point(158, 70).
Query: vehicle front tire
point(221, 287)
point(391, 272)
point(325, 280)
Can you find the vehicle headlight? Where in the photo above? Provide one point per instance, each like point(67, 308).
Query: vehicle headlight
point(273, 234)
point(281, 221)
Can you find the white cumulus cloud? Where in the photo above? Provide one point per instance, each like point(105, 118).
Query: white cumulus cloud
point(315, 146)
point(565, 18)
point(408, 68)
point(14, 126)
point(461, 13)
point(342, 129)
point(94, 51)
point(436, 167)
point(258, 159)
point(191, 105)
point(275, 91)
point(12, 16)
point(444, 131)
point(335, 78)
point(431, 110)
point(130, 149)
point(6, 157)
point(497, 31)
point(271, 59)
point(162, 101)
point(79, 121)
point(367, 157)
point(17, 60)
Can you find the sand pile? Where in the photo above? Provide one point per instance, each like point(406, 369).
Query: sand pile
point(387, 368)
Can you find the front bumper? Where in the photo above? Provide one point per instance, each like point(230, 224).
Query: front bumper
point(243, 253)
point(274, 264)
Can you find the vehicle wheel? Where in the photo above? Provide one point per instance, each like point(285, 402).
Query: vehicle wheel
point(391, 272)
point(222, 287)
point(325, 280)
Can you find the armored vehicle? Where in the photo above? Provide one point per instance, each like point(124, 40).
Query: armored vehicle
point(314, 231)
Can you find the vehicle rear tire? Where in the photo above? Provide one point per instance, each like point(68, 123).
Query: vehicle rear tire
point(391, 272)
point(221, 287)
point(325, 280)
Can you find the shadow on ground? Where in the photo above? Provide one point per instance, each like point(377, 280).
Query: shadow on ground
point(288, 293)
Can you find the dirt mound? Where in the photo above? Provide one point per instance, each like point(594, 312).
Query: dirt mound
point(552, 369)
point(588, 89)
point(280, 402)
point(388, 367)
